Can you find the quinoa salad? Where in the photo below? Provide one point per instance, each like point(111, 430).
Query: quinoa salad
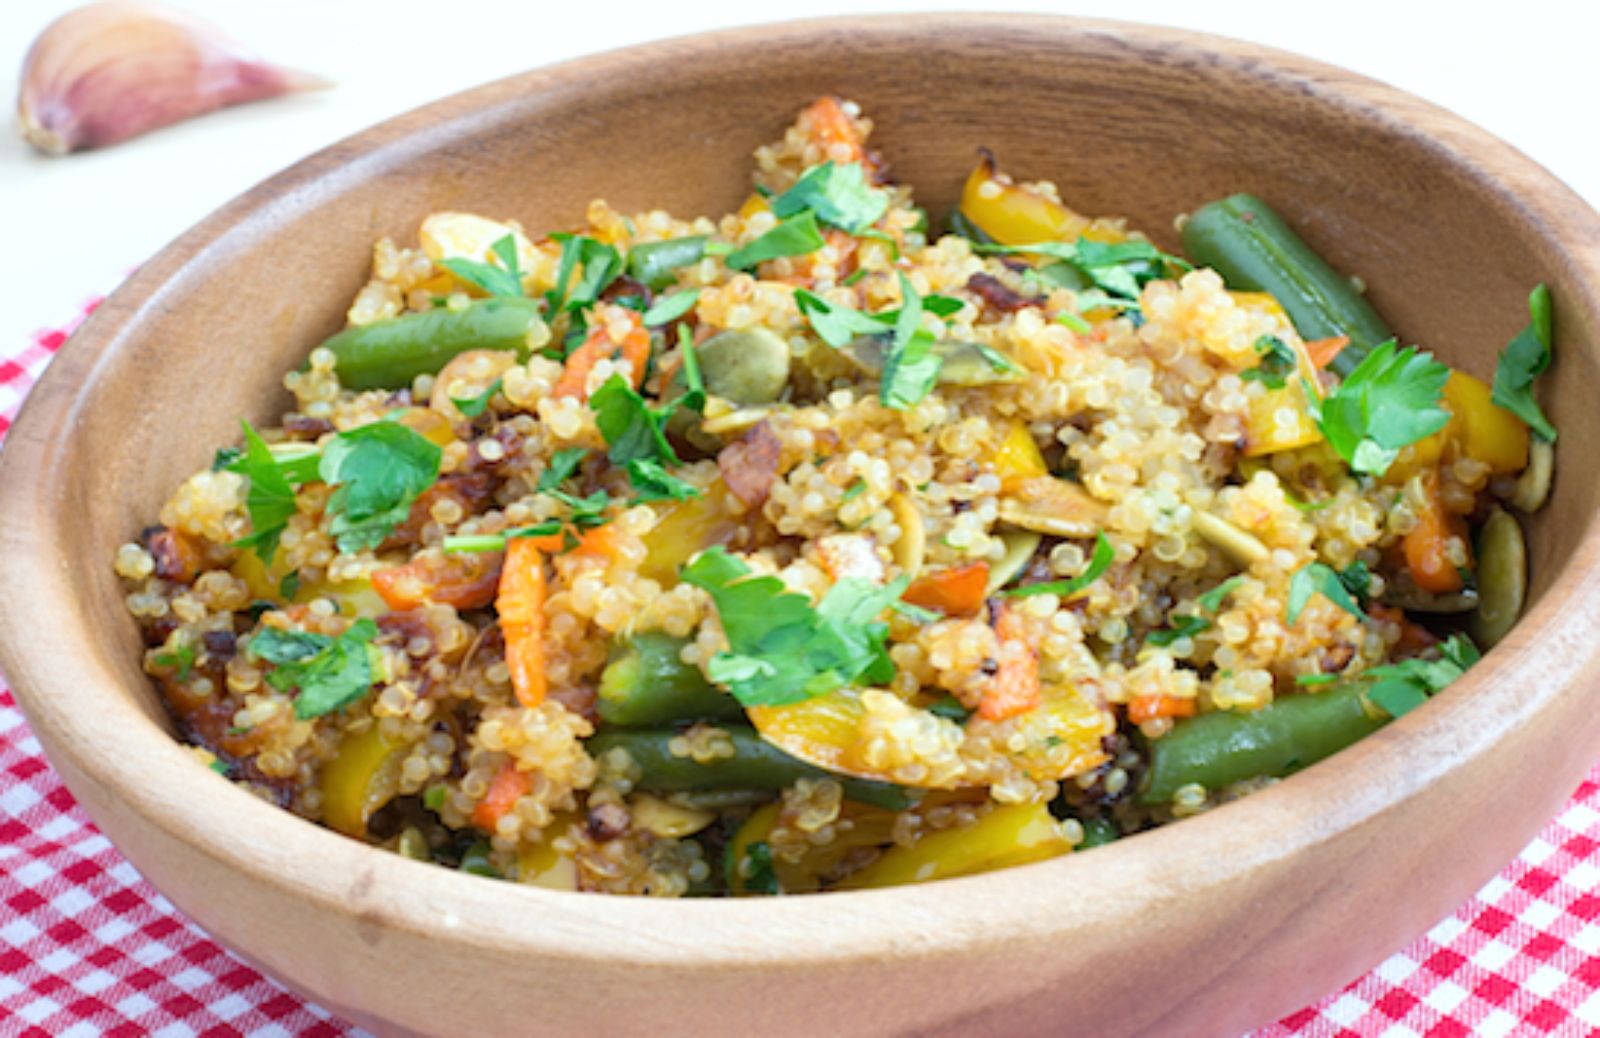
point(808, 548)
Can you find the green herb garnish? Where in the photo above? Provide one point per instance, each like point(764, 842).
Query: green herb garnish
point(1099, 562)
point(651, 482)
point(377, 471)
point(1389, 401)
point(270, 499)
point(1524, 359)
point(329, 673)
point(225, 457)
point(781, 649)
point(669, 308)
point(910, 367)
point(473, 406)
point(759, 876)
point(1118, 269)
point(796, 236)
point(836, 325)
point(1401, 687)
point(502, 282)
point(853, 491)
point(601, 265)
point(180, 658)
point(497, 541)
point(950, 709)
point(839, 195)
point(1319, 578)
point(1278, 362)
point(631, 427)
point(563, 465)
point(1189, 626)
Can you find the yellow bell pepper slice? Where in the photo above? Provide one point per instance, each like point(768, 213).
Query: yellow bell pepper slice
point(859, 826)
point(1279, 419)
point(753, 205)
point(541, 865)
point(687, 528)
point(1483, 431)
point(1011, 834)
point(1059, 738)
point(1013, 215)
point(361, 778)
point(1018, 458)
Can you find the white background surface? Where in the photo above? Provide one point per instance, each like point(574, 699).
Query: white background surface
point(72, 227)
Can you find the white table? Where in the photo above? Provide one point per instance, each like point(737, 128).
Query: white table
point(72, 227)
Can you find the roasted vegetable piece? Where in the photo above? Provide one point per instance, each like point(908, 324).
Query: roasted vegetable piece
point(1011, 834)
point(1218, 749)
point(389, 354)
point(754, 765)
point(520, 603)
point(1013, 215)
point(361, 778)
point(753, 871)
point(1097, 832)
point(1502, 578)
point(646, 682)
point(1254, 250)
point(654, 264)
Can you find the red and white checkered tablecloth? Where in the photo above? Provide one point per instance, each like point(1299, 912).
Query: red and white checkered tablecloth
point(88, 947)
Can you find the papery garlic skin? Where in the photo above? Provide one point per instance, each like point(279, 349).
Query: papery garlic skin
point(109, 71)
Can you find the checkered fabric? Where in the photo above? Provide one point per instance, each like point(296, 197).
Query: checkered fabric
point(87, 947)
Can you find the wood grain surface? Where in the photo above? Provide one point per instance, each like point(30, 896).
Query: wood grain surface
point(1225, 921)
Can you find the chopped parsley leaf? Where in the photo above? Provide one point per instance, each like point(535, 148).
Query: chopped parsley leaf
point(1319, 578)
point(563, 464)
point(473, 406)
point(631, 427)
point(1182, 627)
point(1278, 362)
point(1189, 626)
point(910, 367)
point(502, 282)
point(1099, 562)
point(181, 658)
point(950, 709)
point(219, 766)
point(1402, 687)
point(1524, 359)
point(759, 877)
point(1119, 269)
point(377, 471)
point(781, 649)
point(225, 457)
point(652, 482)
point(1390, 400)
point(289, 586)
point(671, 307)
point(270, 499)
point(601, 265)
point(839, 196)
point(796, 236)
point(853, 491)
point(329, 673)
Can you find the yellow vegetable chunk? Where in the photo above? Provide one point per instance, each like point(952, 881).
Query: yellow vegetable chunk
point(687, 528)
point(541, 865)
point(1018, 458)
point(360, 779)
point(1483, 431)
point(1279, 419)
point(1013, 215)
point(1011, 834)
point(1059, 738)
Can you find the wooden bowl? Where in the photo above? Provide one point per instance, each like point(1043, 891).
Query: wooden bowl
point(1207, 927)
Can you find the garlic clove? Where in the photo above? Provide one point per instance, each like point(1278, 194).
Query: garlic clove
point(109, 71)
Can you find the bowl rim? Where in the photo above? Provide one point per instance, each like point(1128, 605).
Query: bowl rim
point(270, 845)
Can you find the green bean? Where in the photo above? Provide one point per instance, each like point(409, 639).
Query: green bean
point(1255, 251)
point(389, 354)
point(1218, 749)
point(654, 264)
point(755, 764)
point(646, 682)
point(1097, 832)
